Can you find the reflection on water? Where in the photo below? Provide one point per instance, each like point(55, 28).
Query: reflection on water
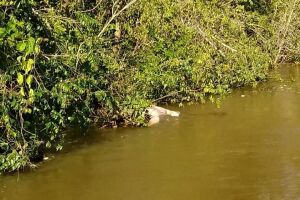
point(248, 149)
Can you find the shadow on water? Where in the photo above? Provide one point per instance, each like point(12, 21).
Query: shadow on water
point(247, 149)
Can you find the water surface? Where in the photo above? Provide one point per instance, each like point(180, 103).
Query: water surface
point(247, 149)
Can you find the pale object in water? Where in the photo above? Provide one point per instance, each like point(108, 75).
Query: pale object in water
point(153, 120)
point(155, 112)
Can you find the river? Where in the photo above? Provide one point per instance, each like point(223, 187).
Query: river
point(246, 150)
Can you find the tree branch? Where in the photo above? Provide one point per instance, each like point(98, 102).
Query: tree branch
point(114, 15)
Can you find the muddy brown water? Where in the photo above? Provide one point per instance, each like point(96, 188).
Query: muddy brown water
point(247, 149)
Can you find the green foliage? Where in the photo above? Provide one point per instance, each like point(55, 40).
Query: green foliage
point(66, 63)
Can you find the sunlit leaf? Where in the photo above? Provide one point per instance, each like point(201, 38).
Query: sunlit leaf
point(2, 32)
point(29, 80)
point(20, 78)
point(22, 92)
point(31, 92)
point(29, 65)
point(21, 46)
point(30, 45)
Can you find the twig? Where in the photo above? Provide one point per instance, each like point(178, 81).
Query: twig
point(55, 55)
point(114, 15)
point(223, 44)
point(77, 56)
point(166, 96)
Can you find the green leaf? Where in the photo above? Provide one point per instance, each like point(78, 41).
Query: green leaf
point(13, 134)
point(37, 49)
point(2, 32)
point(19, 58)
point(31, 96)
point(29, 80)
point(22, 91)
point(4, 145)
point(31, 92)
point(21, 46)
point(28, 110)
point(100, 95)
point(30, 45)
point(20, 78)
point(48, 144)
point(29, 65)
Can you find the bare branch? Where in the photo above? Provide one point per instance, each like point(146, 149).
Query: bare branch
point(114, 15)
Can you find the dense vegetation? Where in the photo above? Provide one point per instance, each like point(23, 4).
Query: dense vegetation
point(76, 62)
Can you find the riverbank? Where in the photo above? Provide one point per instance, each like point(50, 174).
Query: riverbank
point(65, 64)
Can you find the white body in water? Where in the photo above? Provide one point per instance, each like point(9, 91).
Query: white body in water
point(155, 112)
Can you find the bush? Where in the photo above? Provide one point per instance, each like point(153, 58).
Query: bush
point(65, 63)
